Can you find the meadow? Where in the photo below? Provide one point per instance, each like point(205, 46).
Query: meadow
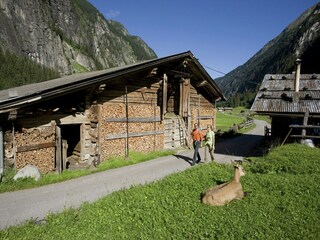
point(283, 203)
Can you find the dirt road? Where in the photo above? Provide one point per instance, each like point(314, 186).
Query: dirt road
point(20, 206)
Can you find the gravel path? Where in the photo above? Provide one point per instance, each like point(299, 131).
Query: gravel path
point(20, 206)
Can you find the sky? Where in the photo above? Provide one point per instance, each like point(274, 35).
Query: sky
point(222, 34)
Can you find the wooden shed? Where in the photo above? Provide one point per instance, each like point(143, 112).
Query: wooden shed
point(83, 119)
point(293, 103)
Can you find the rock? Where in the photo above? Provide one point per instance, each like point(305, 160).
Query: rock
point(28, 171)
point(308, 142)
point(51, 34)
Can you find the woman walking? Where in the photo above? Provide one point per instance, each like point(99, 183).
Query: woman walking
point(210, 142)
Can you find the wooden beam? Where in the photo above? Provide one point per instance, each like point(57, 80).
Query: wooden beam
point(289, 114)
point(127, 125)
point(304, 126)
point(181, 74)
point(58, 143)
point(124, 135)
point(164, 95)
point(205, 117)
point(305, 122)
point(32, 147)
point(304, 136)
point(134, 120)
point(202, 84)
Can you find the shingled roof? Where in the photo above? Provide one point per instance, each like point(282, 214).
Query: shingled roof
point(20, 96)
point(277, 94)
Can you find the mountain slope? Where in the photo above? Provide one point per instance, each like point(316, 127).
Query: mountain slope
point(301, 39)
point(68, 36)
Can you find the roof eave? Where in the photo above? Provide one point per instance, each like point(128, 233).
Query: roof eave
point(102, 76)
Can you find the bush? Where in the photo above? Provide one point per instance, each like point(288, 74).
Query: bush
point(290, 158)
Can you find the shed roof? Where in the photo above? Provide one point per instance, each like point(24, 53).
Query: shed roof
point(277, 94)
point(14, 98)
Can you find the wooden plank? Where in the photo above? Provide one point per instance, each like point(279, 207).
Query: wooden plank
point(137, 86)
point(58, 150)
point(127, 125)
point(64, 154)
point(134, 120)
point(304, 136)
point(205, 117)
point(32, 147)
point(181, 100)
point(304, 126)
point(305, 122)
point(164, 95)
point(120, 100)
point(124, 135)
point(99, 129)
point(45, 120)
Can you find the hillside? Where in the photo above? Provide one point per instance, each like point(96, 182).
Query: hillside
point(67, 36)
point(301, 39)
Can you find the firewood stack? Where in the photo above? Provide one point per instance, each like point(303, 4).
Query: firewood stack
point(35, 146)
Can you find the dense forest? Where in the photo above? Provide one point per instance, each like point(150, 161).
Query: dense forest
point(239, 99)
point(16, 71)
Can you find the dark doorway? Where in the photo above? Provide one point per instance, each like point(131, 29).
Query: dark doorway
point(71, 135)
point(173, 104)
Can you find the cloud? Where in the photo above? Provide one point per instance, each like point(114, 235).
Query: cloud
point(113, 14)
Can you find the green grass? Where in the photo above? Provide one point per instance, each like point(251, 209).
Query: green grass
point(290, 159)
point(282, 205)
point(226, 120)
point(262, 117)
point(8, 184)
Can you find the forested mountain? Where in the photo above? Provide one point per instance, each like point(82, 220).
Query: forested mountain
point(61, 37)
point(301, 39)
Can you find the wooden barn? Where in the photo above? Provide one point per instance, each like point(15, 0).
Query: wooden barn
point(293, 103)
point(81, 120)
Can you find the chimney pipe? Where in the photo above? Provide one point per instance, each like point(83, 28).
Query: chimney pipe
point(297, 79)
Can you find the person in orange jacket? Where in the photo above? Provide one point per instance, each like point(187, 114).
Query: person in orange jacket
point(197, 137)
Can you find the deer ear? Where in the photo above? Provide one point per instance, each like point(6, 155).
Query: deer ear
point(234, 163)
point(238, 162)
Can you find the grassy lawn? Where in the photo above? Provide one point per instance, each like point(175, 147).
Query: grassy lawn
point(238, 115)
point(226, 120)
point(283, 204)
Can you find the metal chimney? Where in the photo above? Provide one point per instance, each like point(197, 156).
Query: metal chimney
point(297, 79)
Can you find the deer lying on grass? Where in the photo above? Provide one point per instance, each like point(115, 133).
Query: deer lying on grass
point(224, 193)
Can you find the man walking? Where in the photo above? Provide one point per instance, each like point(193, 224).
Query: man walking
point(197, 137)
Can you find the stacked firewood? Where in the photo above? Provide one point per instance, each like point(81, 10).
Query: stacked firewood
point(41, 157)
point(139, 122)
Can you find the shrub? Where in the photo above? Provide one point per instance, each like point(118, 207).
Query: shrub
point(290, 158)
